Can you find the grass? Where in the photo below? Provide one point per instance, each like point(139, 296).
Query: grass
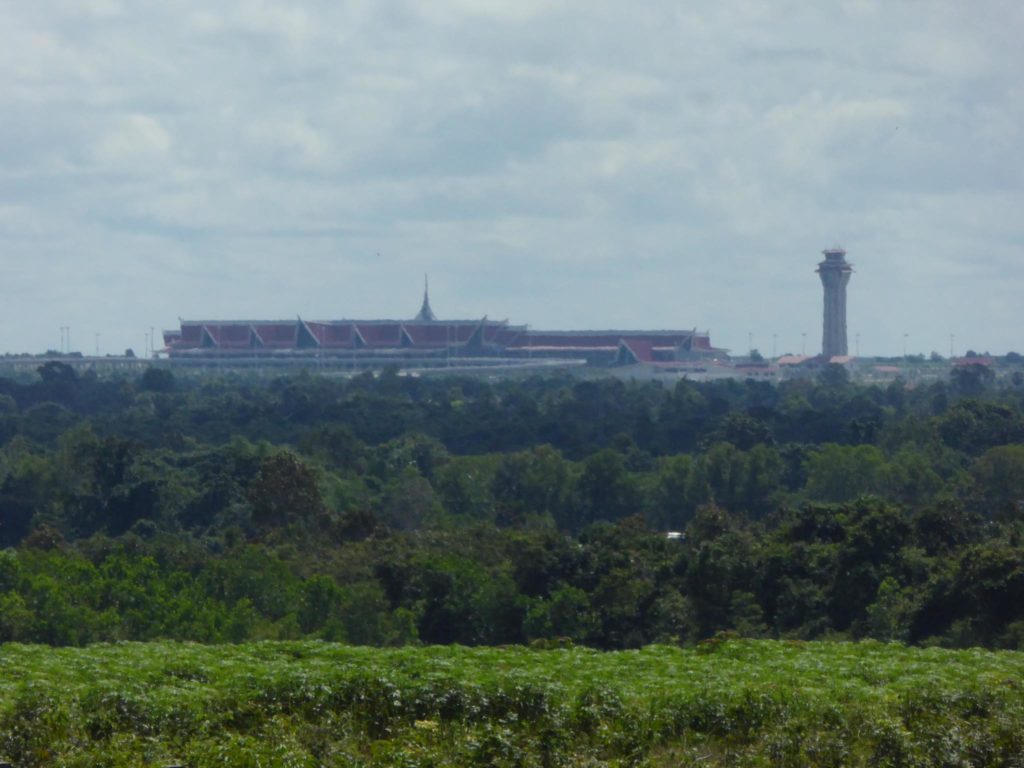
point(730, 702)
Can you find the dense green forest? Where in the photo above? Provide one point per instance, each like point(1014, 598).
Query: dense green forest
point(390, 510)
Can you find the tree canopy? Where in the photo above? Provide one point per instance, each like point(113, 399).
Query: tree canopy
point(391, 510)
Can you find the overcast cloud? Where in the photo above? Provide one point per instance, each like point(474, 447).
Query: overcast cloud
point(565, 163)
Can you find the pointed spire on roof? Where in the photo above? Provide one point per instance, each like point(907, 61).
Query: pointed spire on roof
point(426, 313)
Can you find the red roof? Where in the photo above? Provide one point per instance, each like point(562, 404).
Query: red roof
point(641, 349)
point(345, 334)
point(432, 334)
point(277, 335)
point(493, 333)
point(234, 335)
point(191, 334)
point(508, 337)
point(338, 335)
point(380, 334)
point(332, 335)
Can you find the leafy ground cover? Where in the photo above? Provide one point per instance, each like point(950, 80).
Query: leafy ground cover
point(725, 702)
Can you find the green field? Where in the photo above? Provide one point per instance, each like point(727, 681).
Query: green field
point(726, 702)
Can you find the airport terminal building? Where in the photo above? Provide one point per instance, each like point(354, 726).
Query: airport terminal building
point(425, 341)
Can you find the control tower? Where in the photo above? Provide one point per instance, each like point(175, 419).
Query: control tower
point(835, 274)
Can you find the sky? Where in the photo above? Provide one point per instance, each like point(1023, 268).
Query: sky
point(567, 164)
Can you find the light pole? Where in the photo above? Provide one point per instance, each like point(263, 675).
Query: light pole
point(97, 344)
point(905, 335)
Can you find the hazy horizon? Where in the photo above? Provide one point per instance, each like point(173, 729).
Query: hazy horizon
point(560, 164)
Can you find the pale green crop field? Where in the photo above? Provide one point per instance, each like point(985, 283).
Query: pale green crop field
point(737, 702)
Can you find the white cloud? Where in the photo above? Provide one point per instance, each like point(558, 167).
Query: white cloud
point(860, 8)
point(945, 54)
point(206, 22)
point(294, 139)
point(282, 19)
point(103, 9)
point(134, 141)
point(494, 10)
point(816, 137)
point(549, 161)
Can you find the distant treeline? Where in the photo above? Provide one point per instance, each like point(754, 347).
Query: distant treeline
point(391, 510)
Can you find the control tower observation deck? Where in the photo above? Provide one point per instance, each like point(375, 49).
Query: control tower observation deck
point(834, 272)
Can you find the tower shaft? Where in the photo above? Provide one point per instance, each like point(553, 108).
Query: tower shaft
point(834, 272)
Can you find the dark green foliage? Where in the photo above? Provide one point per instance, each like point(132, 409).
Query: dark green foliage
point(396, 510)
